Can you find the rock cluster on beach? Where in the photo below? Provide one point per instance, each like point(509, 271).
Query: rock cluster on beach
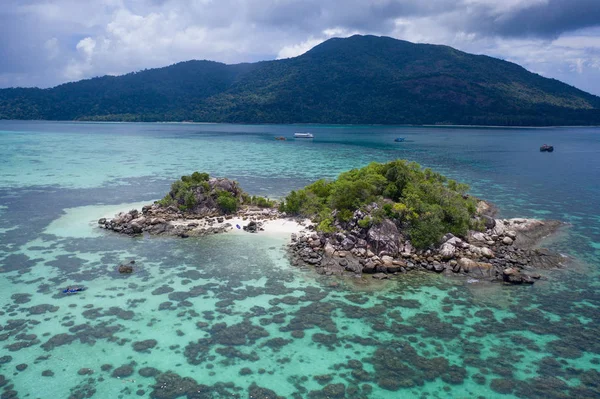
point(157, 220)
point(204, 218)
point(503, 252)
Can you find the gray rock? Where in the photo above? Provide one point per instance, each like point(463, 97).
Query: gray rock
point(354, 267)
point(394, 269)
point(329, 249)
point(384, 237)
point(360, 243)
point(251, 227)
point(499, 228)
point(477, 236)
point(486, 252)
point(490, 222)
point(447, 251)
point(347, 244)
point(438, 267)
point(466, 264)
point(126, 268)
point(387, 260)
point(514, 276)
point(369, 267)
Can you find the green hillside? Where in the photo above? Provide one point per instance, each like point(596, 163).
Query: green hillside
point(361, 79)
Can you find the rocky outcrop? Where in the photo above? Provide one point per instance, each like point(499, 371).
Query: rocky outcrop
point(384, 238)
point(178, 215)
point(514, 276)
point(382, 251)
point(126, 268)
point(252, 227)
point(158, 220)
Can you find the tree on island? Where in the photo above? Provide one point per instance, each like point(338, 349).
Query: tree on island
point(198, 192)
point(424, 204)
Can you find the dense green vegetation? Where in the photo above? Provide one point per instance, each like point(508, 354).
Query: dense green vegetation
point(182, 194)
point(227, 202)
point(423, 203)
point(191, 190)
point(360, 80)
point(261, 202)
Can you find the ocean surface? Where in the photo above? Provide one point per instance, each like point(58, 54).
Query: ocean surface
point(227, 316)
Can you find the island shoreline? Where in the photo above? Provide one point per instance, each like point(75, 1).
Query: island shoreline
point(514, 257)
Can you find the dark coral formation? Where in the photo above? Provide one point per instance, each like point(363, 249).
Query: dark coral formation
point(144, 346)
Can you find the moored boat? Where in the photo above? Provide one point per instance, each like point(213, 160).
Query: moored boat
point(399, 139)
point(73, 290)
point(546, 148)
point(303, 135)
point(282, 138)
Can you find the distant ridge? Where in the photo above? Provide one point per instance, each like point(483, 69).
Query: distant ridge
point(355, 80)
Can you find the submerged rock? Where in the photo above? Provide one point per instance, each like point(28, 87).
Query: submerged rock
point(170, 386)
point(126, 268)
point(256, 392)
point(85, 371)
point(123, 371)
point(5, 359)
point(514, 276)
point(335, 390)
point(148, 372)
point(145, 345)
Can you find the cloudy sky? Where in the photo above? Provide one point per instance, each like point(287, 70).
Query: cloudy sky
point(48, 42)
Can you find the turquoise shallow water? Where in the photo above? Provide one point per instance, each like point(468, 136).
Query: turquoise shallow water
point(223, 315)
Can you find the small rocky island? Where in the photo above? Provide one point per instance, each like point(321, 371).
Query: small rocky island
point(382, 220)
point(197, 205)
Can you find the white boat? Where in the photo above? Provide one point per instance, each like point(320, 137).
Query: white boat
point(303, 135)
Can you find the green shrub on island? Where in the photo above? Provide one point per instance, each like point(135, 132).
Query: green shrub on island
point(184, 194)
point(424, 204)
point(226, 195)
point(227, 202)
point(182, 191)
point(261, 202)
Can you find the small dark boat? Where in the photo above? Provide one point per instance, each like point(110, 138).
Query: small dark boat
point(399, 139)
point(281, 138)
point(546, 148)
point(73, 290)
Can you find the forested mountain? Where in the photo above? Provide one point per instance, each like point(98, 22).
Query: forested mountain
point(361, 80)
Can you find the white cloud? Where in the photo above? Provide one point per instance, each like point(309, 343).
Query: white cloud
point(86, 47)
point(294, 50)
point(579, 42)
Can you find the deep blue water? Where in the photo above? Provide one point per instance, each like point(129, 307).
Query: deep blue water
point(421, 336)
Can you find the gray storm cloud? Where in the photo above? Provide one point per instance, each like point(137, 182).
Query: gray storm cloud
point(47, 42)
